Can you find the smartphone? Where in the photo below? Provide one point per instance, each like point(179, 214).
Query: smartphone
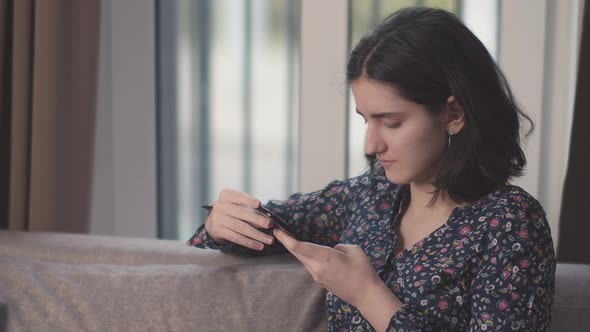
point(276, 221)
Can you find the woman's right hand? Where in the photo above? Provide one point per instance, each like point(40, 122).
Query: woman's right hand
point(234, 219)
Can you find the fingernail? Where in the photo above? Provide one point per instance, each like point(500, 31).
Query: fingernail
point(259, 246)
point(269, 239)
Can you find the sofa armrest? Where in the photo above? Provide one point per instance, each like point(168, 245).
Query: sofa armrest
point(66, 282)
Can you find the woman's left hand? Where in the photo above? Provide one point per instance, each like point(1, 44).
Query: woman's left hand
point(344, 270)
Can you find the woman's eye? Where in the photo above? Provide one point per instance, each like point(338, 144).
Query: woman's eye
point(393, 125)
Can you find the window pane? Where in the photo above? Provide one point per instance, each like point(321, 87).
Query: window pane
point(227, 87)
point(480, 16)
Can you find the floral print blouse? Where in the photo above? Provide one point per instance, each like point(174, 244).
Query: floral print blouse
point(490, 267)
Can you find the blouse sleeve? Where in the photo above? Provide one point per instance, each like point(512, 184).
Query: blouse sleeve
point(319, 217)
point(408, 319)
point(513, 286)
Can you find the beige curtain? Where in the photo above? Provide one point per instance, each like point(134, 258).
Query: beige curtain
point(48, 68)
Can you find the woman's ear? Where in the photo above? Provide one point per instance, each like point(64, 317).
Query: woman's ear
point(455, 116)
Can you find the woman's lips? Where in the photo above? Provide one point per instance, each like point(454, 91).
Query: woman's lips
point(386, 163)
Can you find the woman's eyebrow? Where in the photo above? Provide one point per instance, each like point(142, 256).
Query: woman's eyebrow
point(382, 115)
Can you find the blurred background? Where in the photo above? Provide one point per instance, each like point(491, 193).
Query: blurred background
point(229, 87)
point(188, 97)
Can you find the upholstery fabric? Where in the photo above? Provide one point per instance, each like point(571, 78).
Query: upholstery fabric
point(67, 282)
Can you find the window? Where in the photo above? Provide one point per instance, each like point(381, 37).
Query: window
point(227, 84)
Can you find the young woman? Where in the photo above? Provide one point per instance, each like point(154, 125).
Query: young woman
point(432, 237)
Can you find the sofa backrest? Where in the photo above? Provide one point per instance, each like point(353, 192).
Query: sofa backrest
point(66, 282)
point(571, 307)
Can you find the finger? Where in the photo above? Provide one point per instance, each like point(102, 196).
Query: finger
point(290, 244)
point(287, 240)
point(239, 198)
point(312, 274)
point(309, 263)
point(243, 228)
point(244, 213)
point(310, 271)
point(348, 249)
point(309, 250)
point(305, 261)
point(312, 267)
point(240, 239)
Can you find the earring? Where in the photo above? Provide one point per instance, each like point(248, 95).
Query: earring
point(450, 133)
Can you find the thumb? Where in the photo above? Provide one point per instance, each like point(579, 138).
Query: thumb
point(348, 248)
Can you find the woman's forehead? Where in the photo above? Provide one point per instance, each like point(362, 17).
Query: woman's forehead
point(376, 99)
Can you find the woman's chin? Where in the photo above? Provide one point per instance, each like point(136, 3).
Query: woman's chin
point(395, 177)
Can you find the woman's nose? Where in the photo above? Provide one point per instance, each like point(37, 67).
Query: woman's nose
point(373, 142)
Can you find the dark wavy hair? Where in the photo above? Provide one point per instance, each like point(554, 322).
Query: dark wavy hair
point(428, 55)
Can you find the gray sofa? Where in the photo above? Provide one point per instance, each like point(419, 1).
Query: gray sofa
point(66, 282)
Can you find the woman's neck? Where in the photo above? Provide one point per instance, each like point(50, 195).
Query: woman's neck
point(420, 197)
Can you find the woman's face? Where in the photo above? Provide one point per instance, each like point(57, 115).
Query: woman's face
point(407, 140)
